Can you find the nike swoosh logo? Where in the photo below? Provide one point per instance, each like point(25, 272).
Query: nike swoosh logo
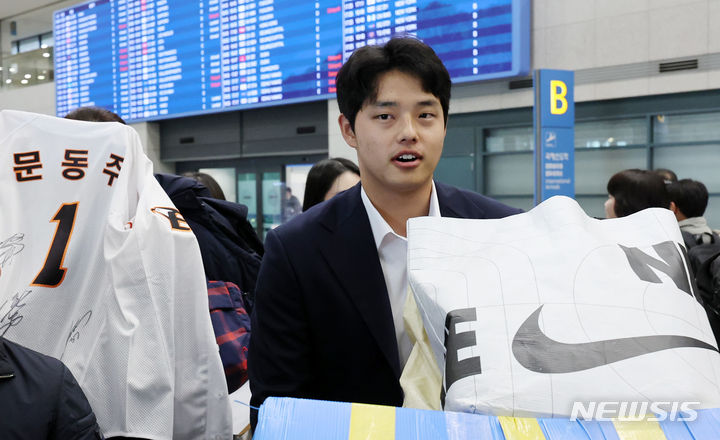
point(537, 352)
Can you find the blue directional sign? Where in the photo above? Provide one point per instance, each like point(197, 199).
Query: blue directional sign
point(554, 128)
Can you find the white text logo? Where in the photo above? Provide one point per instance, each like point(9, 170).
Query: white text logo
point(629, 411)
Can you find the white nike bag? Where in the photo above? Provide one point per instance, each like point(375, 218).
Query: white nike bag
point(528, 314)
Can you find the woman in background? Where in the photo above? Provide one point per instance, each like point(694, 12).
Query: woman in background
point(327, 178)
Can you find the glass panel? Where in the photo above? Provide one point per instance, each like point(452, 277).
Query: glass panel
point(247, 195)
point(594, 168)
point(47, 40)
point(459, 141)
point(272, 193)
point(28, 44)
point(509, 139)
point(225, 177)
point(594, 206)
point(509, 174)
point(692, 162)
point(615, 133)
point(458, 171)
point(295, 178)
point(686, 128)
point(712, 212)
point(28, 68)
point(34, 34)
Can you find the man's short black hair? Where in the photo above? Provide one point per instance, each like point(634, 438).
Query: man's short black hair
point(690, 197)
point(357, 80)
point(635, 190)
point(94, 114)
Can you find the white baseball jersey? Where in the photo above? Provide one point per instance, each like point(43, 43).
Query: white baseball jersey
point(98, 269)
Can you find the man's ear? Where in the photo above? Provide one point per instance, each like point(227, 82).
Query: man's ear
point(347, 131)
point(678, 214)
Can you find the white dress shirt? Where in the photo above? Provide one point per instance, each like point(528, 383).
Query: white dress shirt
point(392, 251)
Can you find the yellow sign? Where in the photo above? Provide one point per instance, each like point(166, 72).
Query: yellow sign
point(558, 93)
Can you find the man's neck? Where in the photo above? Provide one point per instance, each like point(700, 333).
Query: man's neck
point(397, 208)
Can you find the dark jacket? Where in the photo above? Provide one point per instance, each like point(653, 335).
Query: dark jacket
point(40, 399)
point(230, 248)
point(231, 252)
point(322, 323)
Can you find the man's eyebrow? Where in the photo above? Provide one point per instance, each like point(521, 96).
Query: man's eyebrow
point(424, 103)
point(427, 103)
point(384, 104)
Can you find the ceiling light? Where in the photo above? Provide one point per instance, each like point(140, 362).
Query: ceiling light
point(8, 81)
point(28, 76)
point(46, 54)
point(41, 77)
point(24, 81)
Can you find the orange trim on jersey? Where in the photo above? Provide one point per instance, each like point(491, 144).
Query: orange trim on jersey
point(178, 217)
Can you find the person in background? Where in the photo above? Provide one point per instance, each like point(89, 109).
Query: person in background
point(94, 114)
point(291, 205)
point(230, 249)
point(668, 176)
point(688, 200)
point(633, 190)
point(328, 318)
point(208, 182)
point(40, 399)
point(327, 178)
point(231, 254)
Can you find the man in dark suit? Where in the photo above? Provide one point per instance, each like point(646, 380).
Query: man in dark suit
point(327, 323)
point(40, 399)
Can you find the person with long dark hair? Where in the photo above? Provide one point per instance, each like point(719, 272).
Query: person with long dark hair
point(327, 178)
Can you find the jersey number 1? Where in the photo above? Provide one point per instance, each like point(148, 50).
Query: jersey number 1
point(52, 272)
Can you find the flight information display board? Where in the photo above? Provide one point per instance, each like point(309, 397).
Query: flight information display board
point(155, 59)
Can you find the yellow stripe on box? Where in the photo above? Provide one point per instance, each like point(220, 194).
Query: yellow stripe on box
point(639, 430)
point(372, 422)
point(516, 428)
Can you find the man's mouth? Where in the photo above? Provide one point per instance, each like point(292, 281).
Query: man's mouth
point(407, 157)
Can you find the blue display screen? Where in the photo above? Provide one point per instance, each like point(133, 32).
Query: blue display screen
point(156, 59)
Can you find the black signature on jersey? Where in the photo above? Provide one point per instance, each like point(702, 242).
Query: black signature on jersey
point(10, 311)
point(11, 247)
point(75, 331)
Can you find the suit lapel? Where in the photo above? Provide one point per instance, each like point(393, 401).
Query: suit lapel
point(451, 205)
point(351, 254)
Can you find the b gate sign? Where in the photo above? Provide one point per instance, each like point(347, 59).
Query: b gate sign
point(554, 128)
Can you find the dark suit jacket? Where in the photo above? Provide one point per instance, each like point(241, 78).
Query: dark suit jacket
point(40, 399)
point(322, 323)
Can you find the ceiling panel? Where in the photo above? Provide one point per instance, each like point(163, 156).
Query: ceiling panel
point(10, 8)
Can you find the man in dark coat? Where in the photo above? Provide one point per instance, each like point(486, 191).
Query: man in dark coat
point(40, 399)
point(331, 289)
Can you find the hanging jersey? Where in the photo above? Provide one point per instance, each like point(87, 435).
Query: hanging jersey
point(98, 269)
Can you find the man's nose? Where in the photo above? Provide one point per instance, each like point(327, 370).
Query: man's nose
point(408, 131)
